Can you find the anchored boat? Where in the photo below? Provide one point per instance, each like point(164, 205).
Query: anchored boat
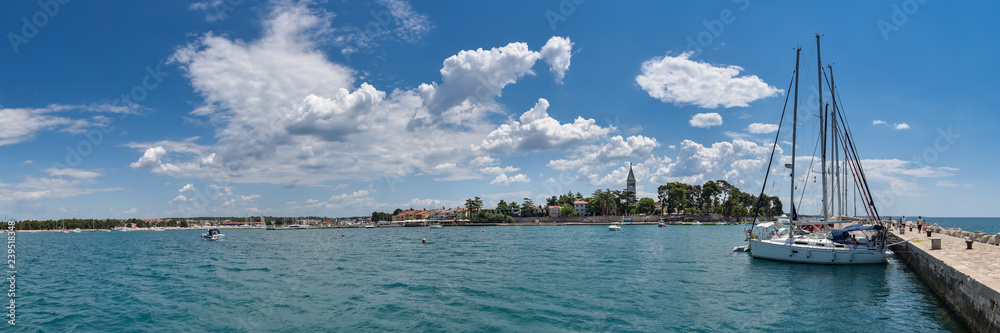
point(213, 234)
point(817, 241)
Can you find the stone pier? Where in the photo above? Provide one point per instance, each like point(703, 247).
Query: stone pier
point(967, 280)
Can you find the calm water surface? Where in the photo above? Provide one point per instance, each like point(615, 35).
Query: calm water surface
point(530, 279)
point(990, 225)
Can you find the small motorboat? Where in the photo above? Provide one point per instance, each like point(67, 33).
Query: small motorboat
point(369, 226)
point(614, 227)
point(661, 225)
point(436, 226)
point(213, 234)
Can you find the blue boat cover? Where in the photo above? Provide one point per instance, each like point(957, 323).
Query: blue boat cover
point(840, 235)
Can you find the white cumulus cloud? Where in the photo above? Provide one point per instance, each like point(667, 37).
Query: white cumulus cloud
point(557, 53)
point(680, 80)
point(706, 120)
point(149, 159)
point(591, 158)
point(283, 113)
point(503, 179)
point(536, 130)
point(758, 128)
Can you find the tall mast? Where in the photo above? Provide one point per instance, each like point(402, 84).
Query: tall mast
point(835, 201)
point(822, 121)
point(836, 154)
point(795, 120)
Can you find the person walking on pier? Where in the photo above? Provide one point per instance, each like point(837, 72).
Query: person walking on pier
point(920, 223)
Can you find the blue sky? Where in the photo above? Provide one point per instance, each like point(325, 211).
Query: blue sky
point(225, 107)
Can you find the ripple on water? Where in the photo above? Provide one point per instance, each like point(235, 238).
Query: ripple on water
point(506, 279)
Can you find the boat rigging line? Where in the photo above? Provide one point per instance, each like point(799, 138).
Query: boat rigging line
point(756, 209)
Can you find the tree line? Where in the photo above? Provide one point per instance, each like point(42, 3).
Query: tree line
point(717, 197)
point(69, 224)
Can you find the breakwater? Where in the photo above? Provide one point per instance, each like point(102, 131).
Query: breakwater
point(967, 279)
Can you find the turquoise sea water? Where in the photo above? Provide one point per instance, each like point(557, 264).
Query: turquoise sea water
point(520, 279)
point(990, 225)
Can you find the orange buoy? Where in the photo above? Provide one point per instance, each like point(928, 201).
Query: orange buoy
point(424, 240)
point(342, 235)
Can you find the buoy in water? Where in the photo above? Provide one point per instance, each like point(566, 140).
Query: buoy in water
point(484, 230)
point(423, 240)
point(342, 235)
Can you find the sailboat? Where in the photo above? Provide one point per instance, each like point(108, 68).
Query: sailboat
point(815, 242)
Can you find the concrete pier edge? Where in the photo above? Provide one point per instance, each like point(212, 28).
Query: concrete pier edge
point(967, 280)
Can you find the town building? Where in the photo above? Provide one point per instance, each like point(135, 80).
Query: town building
point(580, 207)
point(554, 211)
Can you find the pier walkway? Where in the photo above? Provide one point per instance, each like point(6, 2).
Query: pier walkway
point(968, 280)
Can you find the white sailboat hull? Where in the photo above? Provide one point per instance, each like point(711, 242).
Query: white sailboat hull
point(784, 249)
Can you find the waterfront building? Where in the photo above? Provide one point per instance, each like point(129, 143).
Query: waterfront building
point(580, 207)
point(554, 211)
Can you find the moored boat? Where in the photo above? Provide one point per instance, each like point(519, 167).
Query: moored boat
point(817, 242)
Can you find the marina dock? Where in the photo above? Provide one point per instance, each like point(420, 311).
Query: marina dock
point(968, 280)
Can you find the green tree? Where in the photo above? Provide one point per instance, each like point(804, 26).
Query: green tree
point(473, 207)
point(726, 189)
point(662, 192)
point(566, 210)
point(776, 208)
point(694, 195)
point(628, 200)
point(709, 193)
point(502, 207)
point(527, 207)
point(677, 199)
point(646, 206)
